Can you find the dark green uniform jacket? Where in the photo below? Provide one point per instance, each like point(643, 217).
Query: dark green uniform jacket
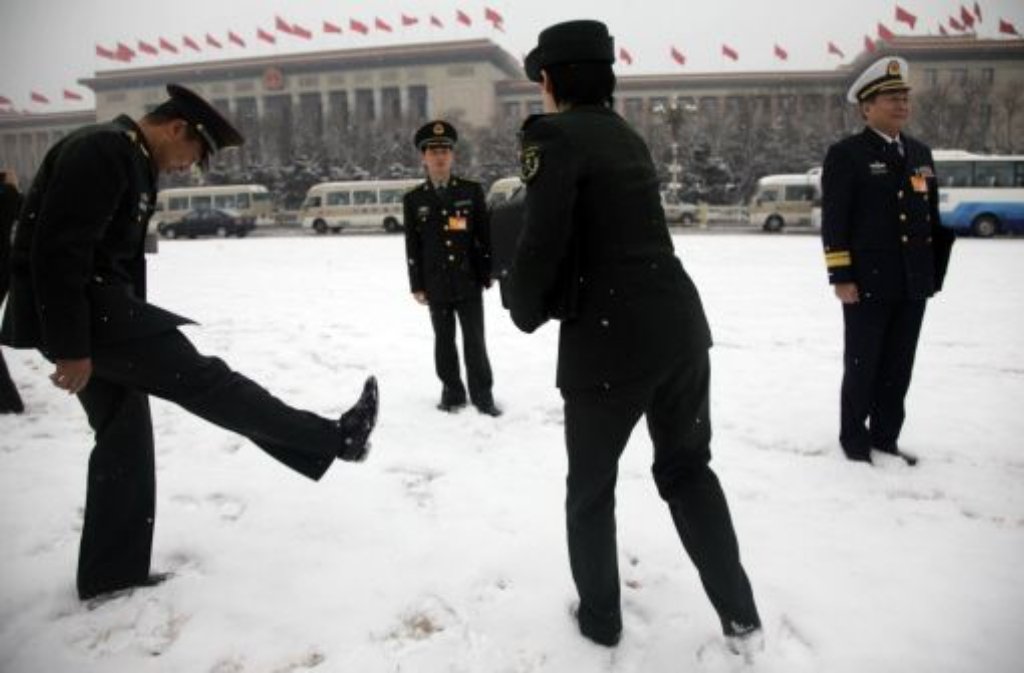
point(596, 253)
point(447, 240)
point(78, 274)
point(880, 218)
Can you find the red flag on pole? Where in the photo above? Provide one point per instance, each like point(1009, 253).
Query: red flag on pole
point(977, 11)
point(167, 46)
point(103, 52)
point(463, 18)
point(677, 56)
point(212, 41)
point(265, 36)
point(381, 24)
point(147, 48)
point(781, 53)
point(409, 20)
point(833, 49)
point(124, 52)
point(943, 31)
point(1007, 28)
point(729, 52)
point(625, 56)
point(71, 95)
point(494, 17)
point(358, 26)
point(956, 25)
point(232, 37)
point(884, 33)
point(966, 17)
point(434, 21)
point(283, 25)
point(869, 44)
point(39, 98)
point(190, 43)
point(331, 27)
point(299, 31)
point(906, 17)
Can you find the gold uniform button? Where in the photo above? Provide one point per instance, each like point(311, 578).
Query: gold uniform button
point(448, 243)
point(451, 258)
point(903, 217)
point(905, 239)
point(899, 194)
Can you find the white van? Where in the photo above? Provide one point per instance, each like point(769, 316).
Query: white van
point(502, 189)
point(249, 201)
point(361, 204)
point(781, 201)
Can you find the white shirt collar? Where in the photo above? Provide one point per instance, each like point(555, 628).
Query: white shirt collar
point(886, 138)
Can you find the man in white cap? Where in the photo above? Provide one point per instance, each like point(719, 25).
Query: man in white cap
point(886, 253)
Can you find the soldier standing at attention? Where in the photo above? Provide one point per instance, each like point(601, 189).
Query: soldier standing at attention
point(448, 249)
point(595, 252)
point(886, 253)
point(78, 294)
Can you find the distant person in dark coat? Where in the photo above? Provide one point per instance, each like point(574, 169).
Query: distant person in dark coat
point(886, 253)
point(448, 252)
point(10, 201)
point(78, 294)
point(596, 253)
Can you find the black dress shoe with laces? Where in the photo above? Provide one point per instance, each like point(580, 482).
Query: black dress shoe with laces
point(358, 422)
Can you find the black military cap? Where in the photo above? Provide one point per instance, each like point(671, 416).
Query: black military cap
point(437, 133)
point(570, 42)
point(216, 132)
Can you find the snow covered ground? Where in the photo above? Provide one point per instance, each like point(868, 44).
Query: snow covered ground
point(446, 552)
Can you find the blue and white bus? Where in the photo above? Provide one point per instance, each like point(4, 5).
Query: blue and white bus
point(981, 194)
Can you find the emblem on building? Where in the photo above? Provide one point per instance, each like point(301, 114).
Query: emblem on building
point(273, 80)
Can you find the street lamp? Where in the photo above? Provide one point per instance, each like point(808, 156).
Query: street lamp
point(675, 114)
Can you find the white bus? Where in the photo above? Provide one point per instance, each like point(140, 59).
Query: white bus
point(333, 206)
point(781, 201)
point(980, 194)
point(246, 200)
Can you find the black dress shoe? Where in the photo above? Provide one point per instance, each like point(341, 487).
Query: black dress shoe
point(98, 596)
point(358, 422)
point(489, 410)
point(607, 632)
point(858, 456)
point(450, 407)
point(893, 450)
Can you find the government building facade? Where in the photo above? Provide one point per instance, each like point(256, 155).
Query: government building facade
point(968, 94)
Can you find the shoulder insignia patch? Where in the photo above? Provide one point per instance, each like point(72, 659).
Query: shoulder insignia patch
point(530, 163)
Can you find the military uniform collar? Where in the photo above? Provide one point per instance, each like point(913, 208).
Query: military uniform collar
point(429, 185)
point(898, 139)
point(879, 140)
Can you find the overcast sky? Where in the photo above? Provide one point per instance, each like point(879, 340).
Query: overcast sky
point(48, 45)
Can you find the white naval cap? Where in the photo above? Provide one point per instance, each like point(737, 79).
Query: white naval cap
point(886, 74)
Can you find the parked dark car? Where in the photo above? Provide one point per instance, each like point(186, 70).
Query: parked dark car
point(208, 222)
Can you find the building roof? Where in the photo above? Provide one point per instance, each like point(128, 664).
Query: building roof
point(381, 57)
point(916, 49)
point(26, 120)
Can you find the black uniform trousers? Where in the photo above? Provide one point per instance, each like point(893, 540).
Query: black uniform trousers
point(597, 427)
point(880, 345)
point(446, 355)
point(10, 400)
point(117, 534)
